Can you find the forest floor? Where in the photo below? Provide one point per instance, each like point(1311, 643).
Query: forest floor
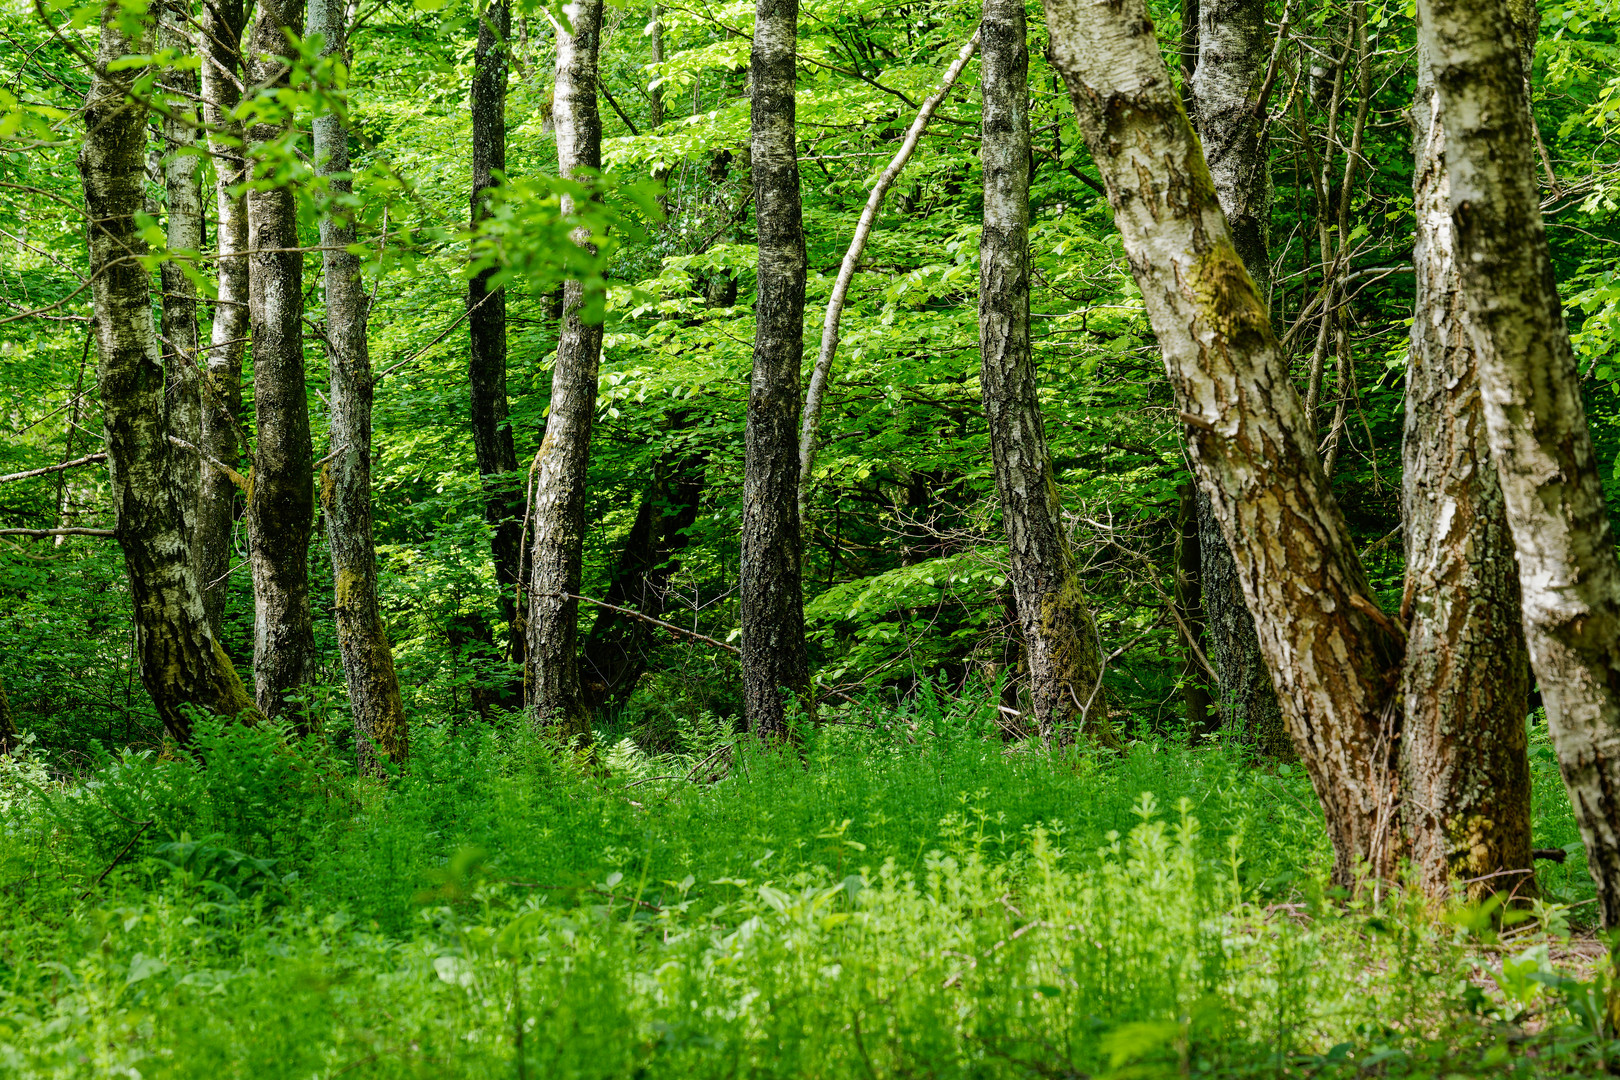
point(911, 898)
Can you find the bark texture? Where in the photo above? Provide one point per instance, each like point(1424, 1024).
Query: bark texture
point(1331, 651)
point(486, 327)
point(1231, 51)
point(1548, 471)
point(1060, 638)
point(554, 696)
point(8, 726)
point(181, 663)
point(772, 616)
point(281, 497)
point(183, 213)
point(380, 728)
point(220, 417)
point(1190, 612)
point(1465, 773)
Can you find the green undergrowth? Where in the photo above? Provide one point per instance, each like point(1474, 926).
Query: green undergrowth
point(900, 894)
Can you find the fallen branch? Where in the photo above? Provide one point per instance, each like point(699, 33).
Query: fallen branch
point(116, 859)
point(42, 533)
point(88, 459)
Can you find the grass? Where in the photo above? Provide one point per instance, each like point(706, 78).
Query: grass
point(910, 900)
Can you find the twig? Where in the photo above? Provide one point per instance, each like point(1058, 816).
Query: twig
point(646, 618)
point(116, 859)
point(41, 533)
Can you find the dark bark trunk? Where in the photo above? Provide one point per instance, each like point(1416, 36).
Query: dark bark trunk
point(486, 326)
point(281, 497)
point(1333, 655)
point(1465, 773)
point(1535, 421)
point(1231, 54)
point(616, 651)
point(1190, 613)
point(1060, 638)
point(220, 416)
point(8, 726)
point(554, 696)
point(772, 615)
point(181, 663)
point(380, 728)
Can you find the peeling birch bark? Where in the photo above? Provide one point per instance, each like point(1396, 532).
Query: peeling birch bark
point(1569, 577)
point(1331, 651)
point(554, 695)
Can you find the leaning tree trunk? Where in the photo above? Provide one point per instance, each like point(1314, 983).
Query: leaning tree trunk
point(1465, 773)
point(1060, 638)
point(380, 728)
point(486, 327)
point(182, 185)
point(554, 696)
point(220, 415)
point(181, 662)
point(281, 498)
point(772, 615)
point(1230, 67)
point(1333, 654)
point(1534, 417)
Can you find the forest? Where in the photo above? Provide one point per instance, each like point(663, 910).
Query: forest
point(809, 538)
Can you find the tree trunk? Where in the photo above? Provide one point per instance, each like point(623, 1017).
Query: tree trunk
point(380, 728)
point(615, 652)
point(1465, 773)
point(1332, 652)
point(1190, 613)
point(486, 325)
point(181, 662)
point(554, 696)
point(1536, 424)
point(1060, 638)
point(1230, 67)
point(8, 726)
point(772, 616)
point(221, 393)
point(182, 184)
point(281, 498)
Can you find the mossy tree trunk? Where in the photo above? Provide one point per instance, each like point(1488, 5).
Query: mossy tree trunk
point(181, 663)
point(380, 727)
point(1060, 637)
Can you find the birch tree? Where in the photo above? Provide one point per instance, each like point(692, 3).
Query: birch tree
point(220, 415)
point(1535, 421)
point(772, 616)
point(554, 697)
point(380, 727)
point(1060, 637)
point(181, 662)
point(1332, 653)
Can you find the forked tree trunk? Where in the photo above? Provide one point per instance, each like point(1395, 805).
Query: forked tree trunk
point(486, 327)
point(281, 498)
point(1060, 638)
point(772, 615)
point(220, 416)
point(1332, 653)
point(1231, 47)
point(380, 728)
point(183, 211)
point(1548, 470)
point(554, 697)
point(181, 663)
point(1465, 773)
